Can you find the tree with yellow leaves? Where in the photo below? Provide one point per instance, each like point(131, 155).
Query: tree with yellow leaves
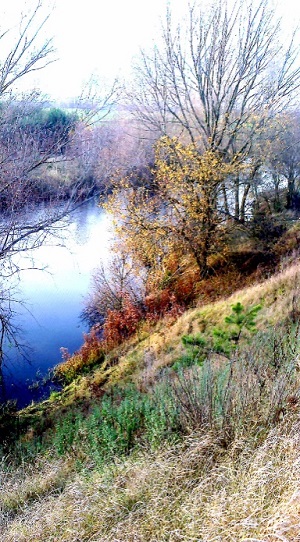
point(182, 214)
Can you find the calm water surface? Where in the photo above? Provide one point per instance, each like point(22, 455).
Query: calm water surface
point(54, 300)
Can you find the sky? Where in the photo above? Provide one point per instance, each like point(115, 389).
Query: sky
point(90, 37)
point(99, 37)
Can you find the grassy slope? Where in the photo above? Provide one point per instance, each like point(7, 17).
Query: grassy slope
point(151, 352)
point(194, 490)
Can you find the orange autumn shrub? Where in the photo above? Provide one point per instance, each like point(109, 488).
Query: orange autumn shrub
point(89, 354)
point(162, 303)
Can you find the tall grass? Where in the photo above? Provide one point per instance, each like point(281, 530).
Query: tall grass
point(194, 491)
point(208, 453)
point(250, 391)
point(253, 389)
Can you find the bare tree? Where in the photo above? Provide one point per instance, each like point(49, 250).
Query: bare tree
point(21, 152)
point(98, 99)
point(23, 226)
point(112, 287)
point(284, 161)
point(26, 54)
point(108, 150)
point(217, 79)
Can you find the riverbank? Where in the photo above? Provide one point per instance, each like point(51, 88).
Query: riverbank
point(144, 449)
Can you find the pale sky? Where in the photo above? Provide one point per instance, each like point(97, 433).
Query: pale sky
point(100, 36)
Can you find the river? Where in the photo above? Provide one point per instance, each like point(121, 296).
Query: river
point(53, 294)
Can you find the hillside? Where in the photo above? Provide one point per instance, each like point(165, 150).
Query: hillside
point(160, 444)
point(177, 419)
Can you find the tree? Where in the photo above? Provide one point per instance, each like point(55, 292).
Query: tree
point(51, 128)
point(31, 135)
point(224, 340)
point(113, 287)
point(217, 80)
point(23, 51)
point(112, 149)
point(284, 160)
point(22, 226)
point(181, 214)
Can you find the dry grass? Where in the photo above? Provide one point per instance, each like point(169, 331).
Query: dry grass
point(28, 484)
point(278, 296)
point(143, 356)
point(197, 491)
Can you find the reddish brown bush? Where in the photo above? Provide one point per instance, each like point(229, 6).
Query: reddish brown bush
point(121, 324)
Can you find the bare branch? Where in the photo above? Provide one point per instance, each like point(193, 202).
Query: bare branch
point(26, 55)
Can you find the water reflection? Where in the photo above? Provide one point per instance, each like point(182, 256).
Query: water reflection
point(54, 299)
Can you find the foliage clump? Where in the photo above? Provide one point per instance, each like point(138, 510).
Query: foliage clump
point(90, 354)
point(181, 214)
point(222, 340)
point(226, 339)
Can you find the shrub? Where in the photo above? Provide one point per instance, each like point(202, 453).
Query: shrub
point(195, 351)
point(162, 303)
point(123, 419)
point(289, 242)
point(265, 229)
point(121, 324)
point(113, 286)
point(91, 353)
point(249, 391)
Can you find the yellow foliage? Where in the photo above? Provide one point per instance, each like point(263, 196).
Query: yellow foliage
point(181, 214)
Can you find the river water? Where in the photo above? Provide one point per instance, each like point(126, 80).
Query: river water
point(54, 294)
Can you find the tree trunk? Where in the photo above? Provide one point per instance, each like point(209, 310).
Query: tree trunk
point(237, 198)
point(243, 203)
point(291, 193)
point(225, 199)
